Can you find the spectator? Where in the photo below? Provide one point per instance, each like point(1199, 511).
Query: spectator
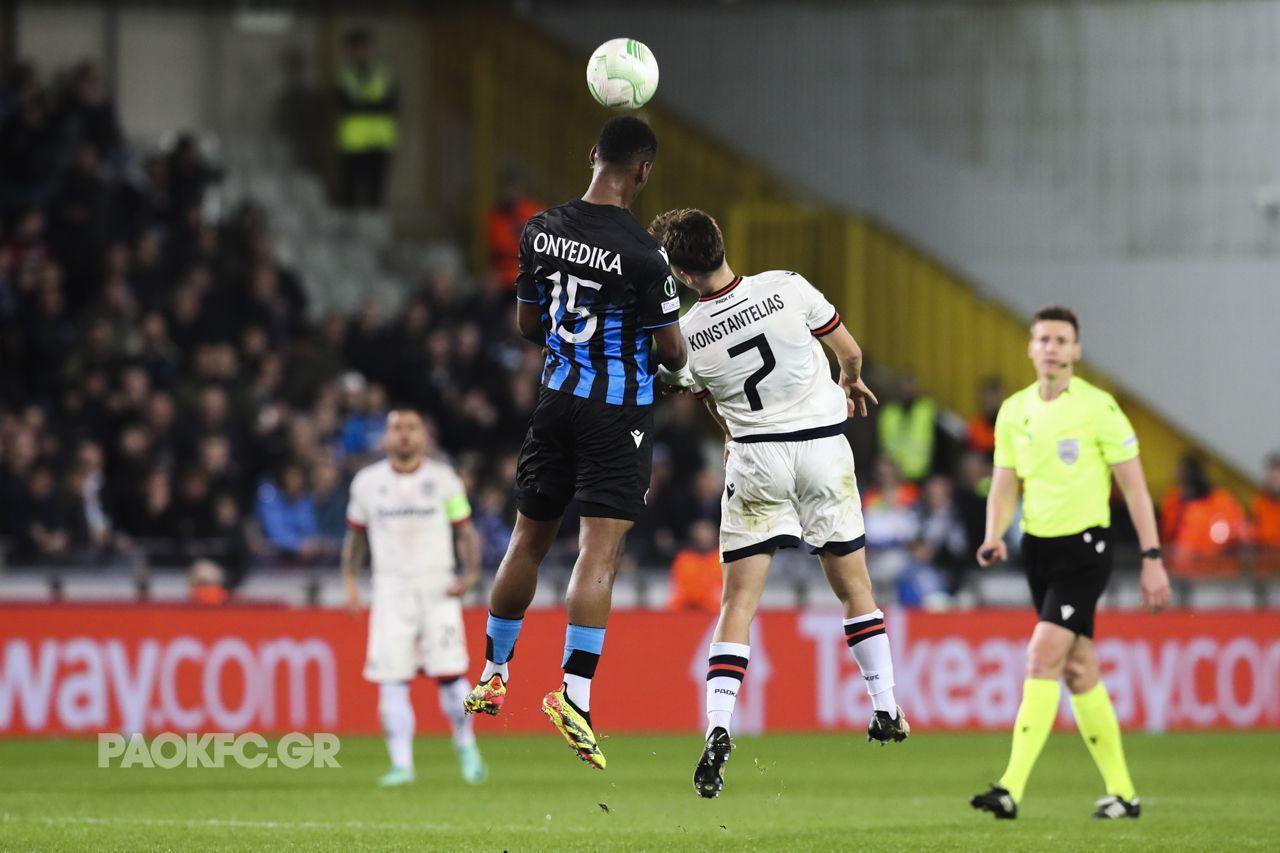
point(365, 427)
point(368, 132)
point(1200, 523)
point(920, 584)
point(88, 113)
point(973, 482)
point(331, 502)
point(491, 522)
point(189, 175)
point(42, 534)
point(504, 224)
point(938, 525)
point(1266, 507)
point(288, 517)
point(891, 523)
point(982, 424)
point(205, 581)
point(696, 581)
point(907, 429)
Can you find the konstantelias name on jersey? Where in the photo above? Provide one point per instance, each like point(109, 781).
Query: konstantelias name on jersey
point(753, 345)
point(754, 312)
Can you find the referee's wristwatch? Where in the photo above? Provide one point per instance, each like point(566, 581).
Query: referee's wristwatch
point(1151, 554)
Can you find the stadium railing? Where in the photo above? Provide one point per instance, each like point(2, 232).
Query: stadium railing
point(909, 309)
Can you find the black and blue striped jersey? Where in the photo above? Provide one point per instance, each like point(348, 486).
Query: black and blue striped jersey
point(603, 285)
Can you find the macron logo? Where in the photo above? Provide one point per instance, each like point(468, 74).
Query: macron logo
point(638, 435)
point(1067, 610)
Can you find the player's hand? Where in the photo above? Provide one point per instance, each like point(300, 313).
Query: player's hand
point(859, 394)
point(1154, 583)
point(461, 586)
point(992, 551)
point(353, 606)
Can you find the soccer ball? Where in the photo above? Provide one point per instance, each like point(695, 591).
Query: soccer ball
point(622, 73)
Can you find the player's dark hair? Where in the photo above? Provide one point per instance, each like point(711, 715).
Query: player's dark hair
point(626, 140)
point(692, 239)
point(1058, 312)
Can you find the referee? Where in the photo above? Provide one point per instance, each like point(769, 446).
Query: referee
point(1063, 438)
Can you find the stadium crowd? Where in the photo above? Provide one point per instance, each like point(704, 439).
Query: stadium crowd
point(165, 395)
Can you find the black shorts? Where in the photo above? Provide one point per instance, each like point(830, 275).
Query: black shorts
point(1067, 576)
point(594, 451)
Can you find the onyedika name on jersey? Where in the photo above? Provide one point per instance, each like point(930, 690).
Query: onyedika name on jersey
point(578, 253)
point(754, 312)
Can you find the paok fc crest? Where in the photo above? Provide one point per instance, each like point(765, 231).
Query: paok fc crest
point(1069, 450)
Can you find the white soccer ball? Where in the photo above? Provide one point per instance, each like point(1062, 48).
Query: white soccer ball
point(622, 73)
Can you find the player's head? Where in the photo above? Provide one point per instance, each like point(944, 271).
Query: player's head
point(627, 146)
point(406, 437)
point(694, 244)
point(1055, 341)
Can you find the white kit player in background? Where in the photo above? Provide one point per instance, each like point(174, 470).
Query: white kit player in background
point(412, 514)
point(756, 361)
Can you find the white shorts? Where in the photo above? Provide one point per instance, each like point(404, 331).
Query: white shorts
point(781, 494)
point(411, 631)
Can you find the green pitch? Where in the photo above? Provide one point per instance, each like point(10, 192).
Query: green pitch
point(1200, 792)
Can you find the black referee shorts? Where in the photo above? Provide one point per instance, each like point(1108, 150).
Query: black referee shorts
point(594, 451)
point(1067, 576)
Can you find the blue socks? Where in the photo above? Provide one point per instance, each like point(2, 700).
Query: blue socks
point(499, 645)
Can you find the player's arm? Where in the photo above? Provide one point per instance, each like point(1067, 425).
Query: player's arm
point(710, 403)
point(528, 304)
point(355, 553)
point(673, 354)
point(1002, 503)
point(849, 356)
point(529, 322)
point(1154, 580)
point(466, 543)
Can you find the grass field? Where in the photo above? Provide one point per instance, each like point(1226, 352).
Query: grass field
point(1200, 792)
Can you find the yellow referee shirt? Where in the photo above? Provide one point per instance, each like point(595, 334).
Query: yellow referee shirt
point(1062, 451)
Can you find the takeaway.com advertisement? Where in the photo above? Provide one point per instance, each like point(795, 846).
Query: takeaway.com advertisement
point(83, 669)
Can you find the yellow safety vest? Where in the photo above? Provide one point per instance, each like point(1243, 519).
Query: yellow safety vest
point(366, 131)
point(907, 436)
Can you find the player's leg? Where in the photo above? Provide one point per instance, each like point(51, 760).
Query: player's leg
point(587, 605)
point(544, 483)
point(830, 513)
point(444, 658)
point(392, 661)
point(757, 516)
point(1096, 719)
point(589, 601)
point(613, 453)
point(730, 651)
point(727, 659)
point(865, 634)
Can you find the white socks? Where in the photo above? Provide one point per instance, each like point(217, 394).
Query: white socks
point(578, 689)
point(397, 721)
point(451, 694)
point(726, 667)
point(491, 669)
point(865, 635)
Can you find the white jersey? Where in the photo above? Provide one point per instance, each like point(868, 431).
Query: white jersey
point(753, 345)
point(409, 519)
